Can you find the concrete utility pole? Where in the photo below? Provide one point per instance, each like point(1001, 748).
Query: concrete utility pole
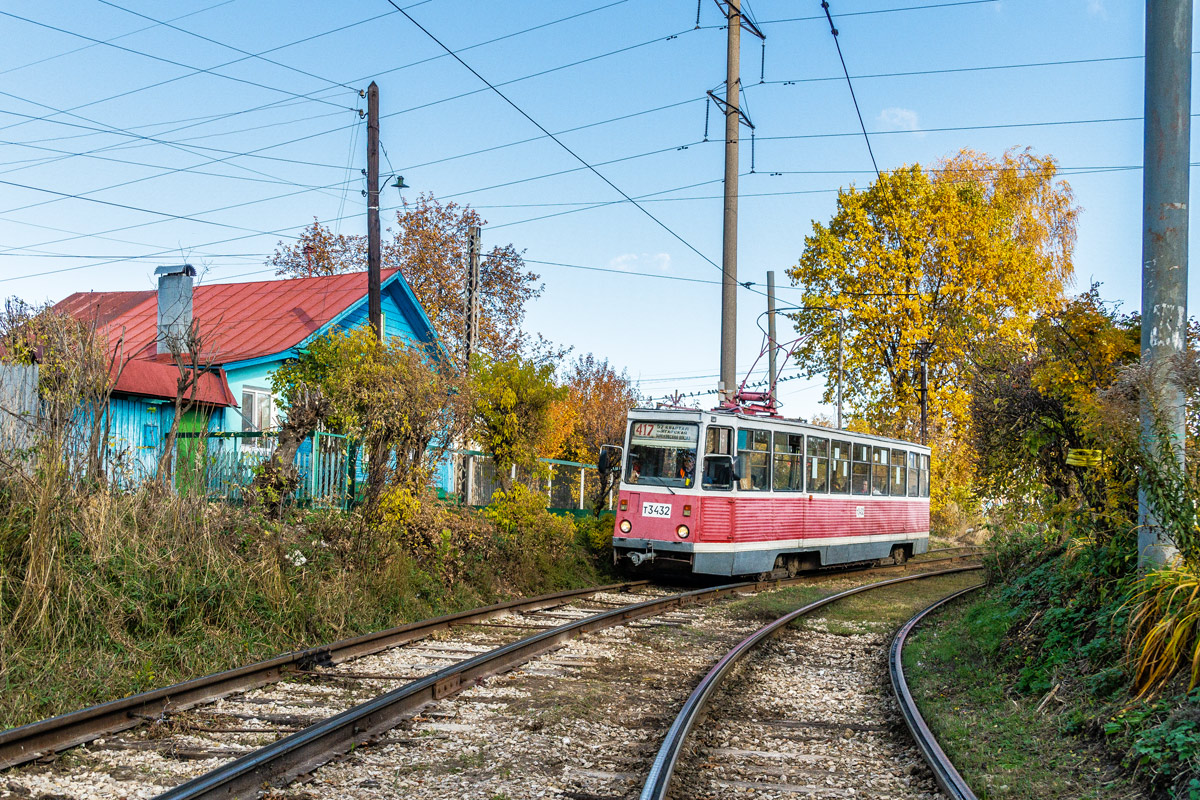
point(733, 85)
point(841, 365)
point(772, 344)
point(374, 298)
point(1164, 241)
point(471, 334)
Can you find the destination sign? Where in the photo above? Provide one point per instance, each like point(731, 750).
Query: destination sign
point(663, 433)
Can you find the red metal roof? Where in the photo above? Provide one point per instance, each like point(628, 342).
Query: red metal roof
point(158, 378)
point(238, 321)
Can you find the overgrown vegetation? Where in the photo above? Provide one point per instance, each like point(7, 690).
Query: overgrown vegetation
point(1072, 640)
point(109, 588)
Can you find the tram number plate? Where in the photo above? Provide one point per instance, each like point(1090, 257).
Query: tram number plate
point(656, 510)
point(860, 512)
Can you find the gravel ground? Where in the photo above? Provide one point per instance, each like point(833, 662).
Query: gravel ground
point(581, 722)
point(145, 761)
point(808, 714)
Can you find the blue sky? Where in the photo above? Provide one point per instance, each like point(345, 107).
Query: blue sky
point(220, 154)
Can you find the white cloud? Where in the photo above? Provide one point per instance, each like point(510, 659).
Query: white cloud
point(642, 262)
point(899, 119)
point(1097, 8)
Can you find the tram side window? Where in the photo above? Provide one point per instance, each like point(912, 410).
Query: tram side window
point(818, 464)
point(839, 467)
point(860, 470)
point(879, 471)
point(914, 486)
point(789, 462)
point(899, 479)
point(718, 472)
point(924, 476)
point(754, 460)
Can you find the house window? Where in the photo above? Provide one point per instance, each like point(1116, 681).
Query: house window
point(256, 409)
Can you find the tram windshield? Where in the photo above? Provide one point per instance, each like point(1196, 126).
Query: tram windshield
point(662, 453)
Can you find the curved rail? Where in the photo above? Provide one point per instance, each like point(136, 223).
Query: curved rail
point(658, 783)
point(305, 750)
point(944, 772)
point(19, 745)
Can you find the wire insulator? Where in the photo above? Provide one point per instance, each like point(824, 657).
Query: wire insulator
point(707, 105)
point(751, 151)
point(762, 62)
point(698, 2)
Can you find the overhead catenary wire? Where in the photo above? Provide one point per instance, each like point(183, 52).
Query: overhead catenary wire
point(172, 62)
point(125, 35)
point(556, 140)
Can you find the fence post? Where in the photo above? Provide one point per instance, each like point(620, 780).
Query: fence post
point(582, 487)
point(314, 467)
point(352, 472)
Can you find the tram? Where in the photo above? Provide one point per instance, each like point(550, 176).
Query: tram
point(727, 492)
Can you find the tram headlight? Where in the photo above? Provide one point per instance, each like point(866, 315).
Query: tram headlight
point(683, 532)
point(626, 526)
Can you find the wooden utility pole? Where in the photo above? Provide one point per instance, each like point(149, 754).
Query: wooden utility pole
point(733, 85)
point(374, 296)
point(471, 334)
point(1165, 208)
point(923, 351)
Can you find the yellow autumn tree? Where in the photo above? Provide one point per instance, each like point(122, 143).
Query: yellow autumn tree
point(939, 261)
point(428, 245)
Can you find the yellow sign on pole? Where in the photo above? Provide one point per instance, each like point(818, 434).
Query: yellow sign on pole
point(1077, 457)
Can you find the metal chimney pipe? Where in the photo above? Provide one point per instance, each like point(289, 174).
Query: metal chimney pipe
point(174, 307)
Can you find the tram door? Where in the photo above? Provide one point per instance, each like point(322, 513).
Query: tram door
point(718, 512)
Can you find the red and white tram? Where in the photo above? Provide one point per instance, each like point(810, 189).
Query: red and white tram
point(729, 493)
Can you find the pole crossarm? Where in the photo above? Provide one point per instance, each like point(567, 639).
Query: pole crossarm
point(747, 24)
point(726, 108)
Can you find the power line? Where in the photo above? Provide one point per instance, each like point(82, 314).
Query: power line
point(833, 29)
point(951, 70)
point(172, 62)
point(113, 39)
point(167, 24)
point(556, 140)
point(598, 123)
point(273, 104)
point(930, 6)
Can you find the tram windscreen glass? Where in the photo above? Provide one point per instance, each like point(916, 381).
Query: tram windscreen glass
point(662, 453)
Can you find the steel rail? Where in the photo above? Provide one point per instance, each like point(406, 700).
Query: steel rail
point(28, 742)
point(944, 773)
point(658, 782)
point(305, 750)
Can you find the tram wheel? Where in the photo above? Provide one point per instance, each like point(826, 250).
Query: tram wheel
point(899, 555)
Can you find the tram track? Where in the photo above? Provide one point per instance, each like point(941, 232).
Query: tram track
point(757, 745)
point(947, 776)
point(35, 740)
point(231, 747)
point(327, 706)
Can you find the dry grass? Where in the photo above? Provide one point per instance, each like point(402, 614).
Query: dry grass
point(107, 593)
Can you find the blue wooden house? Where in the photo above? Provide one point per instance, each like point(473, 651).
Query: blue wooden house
point(247, 330)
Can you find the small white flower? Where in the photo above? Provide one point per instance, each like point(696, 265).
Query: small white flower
point(297, 558)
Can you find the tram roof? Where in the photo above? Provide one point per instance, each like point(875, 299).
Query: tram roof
point(699, 414)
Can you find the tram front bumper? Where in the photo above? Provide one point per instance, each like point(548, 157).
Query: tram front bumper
point(640, 551)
